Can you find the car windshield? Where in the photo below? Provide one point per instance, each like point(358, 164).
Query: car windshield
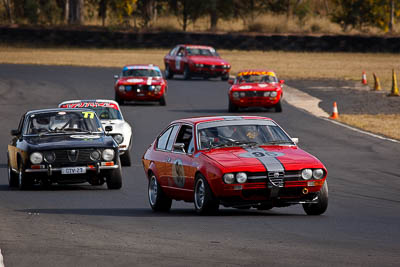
point(191, 51)
point(106, 113)
point(141, 73)
point(62, 122)
point(257, 79)
point(242, 134)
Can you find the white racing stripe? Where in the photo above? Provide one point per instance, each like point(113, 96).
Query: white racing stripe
point(1, 260)
point(304, 101)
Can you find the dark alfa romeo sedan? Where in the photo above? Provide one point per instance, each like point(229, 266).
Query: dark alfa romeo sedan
point(63, 146)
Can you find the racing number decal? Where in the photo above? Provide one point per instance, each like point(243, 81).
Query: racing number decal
point(267, 158)
point(178, 173)
point(258, 154)
point(88, 114)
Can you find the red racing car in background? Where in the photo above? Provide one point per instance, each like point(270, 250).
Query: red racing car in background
point(255, 88)
point(239, 162)
point(140, 83)
point(195, 60)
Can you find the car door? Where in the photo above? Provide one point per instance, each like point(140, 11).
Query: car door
point(12, 147)
point(180, 167)
point(170, 58)
point(179, 59)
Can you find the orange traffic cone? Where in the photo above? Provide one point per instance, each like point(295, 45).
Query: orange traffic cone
point(335, 113)
point(364, 78)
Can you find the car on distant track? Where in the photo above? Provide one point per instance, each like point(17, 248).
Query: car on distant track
point(110, 114)
point(255, 88)
point(62, 146)
point(236, 161)
point(195, 60)
point(140, 83)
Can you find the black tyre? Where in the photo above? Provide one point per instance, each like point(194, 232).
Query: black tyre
point(126, 158)
point(162, 101)
point(186, 73)
point(24, 182)
point(225, 77)
point(119, 100)
point(278, 107)
point(322, 205)
point(232, 107)
point(204, 200)
point(12, 176)
point(168, 72)
point(157, 199)
point(114, 178)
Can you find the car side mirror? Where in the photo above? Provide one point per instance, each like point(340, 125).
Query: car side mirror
point(179, 147)
point(116, 76)
point(281, 81)
point(295, 140)
point(230, 81)
point(14, 132)
point(108, 128)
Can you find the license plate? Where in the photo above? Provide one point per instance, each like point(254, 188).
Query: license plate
point(74, 170)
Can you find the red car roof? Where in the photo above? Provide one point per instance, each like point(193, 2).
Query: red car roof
point(199, 46)
point(197, 120)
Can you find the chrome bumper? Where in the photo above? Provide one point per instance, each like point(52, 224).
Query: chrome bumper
point(50, 169)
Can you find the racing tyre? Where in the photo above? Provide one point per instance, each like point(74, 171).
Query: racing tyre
point(186, 73)
point(126, 158)
point(232, 107)
point(162, 101)
point(23, 180)
point(322, 205)
point(278, 107)
point(168, 73)
point(114, 178)
point(118, 100)
point(204, 200)
point(225, 77)
point(157, 199)
point(12, 177)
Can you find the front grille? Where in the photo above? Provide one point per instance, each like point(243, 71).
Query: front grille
point(216, 67)
point(141, 87)
point(276, 178)
point(62, 158)
point(254, 93)
point(257, 177)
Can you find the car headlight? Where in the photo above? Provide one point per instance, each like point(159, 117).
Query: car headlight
point(266, 93)
point(95, 155)
point(49, 157)
point(242, 94)
point(36, 158)
point(199, 65)
point(273, 94)
point(121, 88)
point(118, 138)
point(229, 178)
point(108, 154)
point(306, 174)
point(241, 177)
point(157, 88)
point(235, 94)
point(318, 173)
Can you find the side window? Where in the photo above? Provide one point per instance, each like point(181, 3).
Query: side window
point(163, 139)
point(173, 51)
point(21, 123)
point(172, 137)
point(185, 136)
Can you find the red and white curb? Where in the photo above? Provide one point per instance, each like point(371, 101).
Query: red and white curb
point(306, 102)
point(1, 260)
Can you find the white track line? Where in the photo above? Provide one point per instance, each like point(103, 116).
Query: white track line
point(304, 101)
point(1, 260)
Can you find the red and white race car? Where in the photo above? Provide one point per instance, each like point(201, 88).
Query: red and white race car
point(195, 60)
point(140, 83)
point(255, 88)
point(239, 162)
point(109, 114)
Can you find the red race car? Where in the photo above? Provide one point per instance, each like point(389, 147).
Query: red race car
point(195, 60)
point(255, 88)
point(140, 83)
point(239, 162)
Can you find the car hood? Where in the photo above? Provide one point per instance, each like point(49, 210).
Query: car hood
point(119, 126)
point(141, 80)
point(208, 60)
point(256, 86)
point(258, 159)
point(59, 141)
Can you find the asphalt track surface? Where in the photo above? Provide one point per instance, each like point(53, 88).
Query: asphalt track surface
point(82, 225)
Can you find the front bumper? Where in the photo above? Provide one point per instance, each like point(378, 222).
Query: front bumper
point(143, 95)
point(211, 72)
point(50, 170)
point(255, 101)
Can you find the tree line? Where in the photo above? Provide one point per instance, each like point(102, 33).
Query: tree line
point(349, 14)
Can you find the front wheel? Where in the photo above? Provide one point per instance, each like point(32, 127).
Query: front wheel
point(126, 158)
point(278, 107)
point(204, 200)
point(232, 107)
point(168, 73)
point(12, 177)
point(157, 199)
point(114, 178)
point(225, 77)
point(186, 73)
point(23, 180)
point(118, 99)
point(162, 101)
point(322, 205)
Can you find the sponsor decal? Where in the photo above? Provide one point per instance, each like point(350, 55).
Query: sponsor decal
point(135, 80)
point(90, 105)
point(262, 85)
point(245, 73)
point(178, 173)
point(141, 68)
